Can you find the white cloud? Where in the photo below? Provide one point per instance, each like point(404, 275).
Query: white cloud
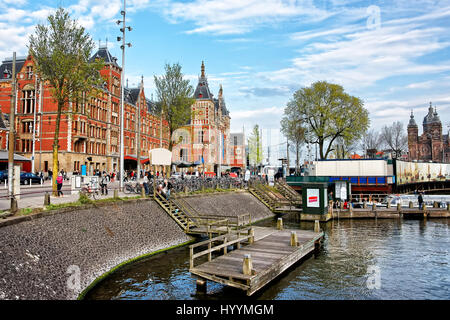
point(238, 17)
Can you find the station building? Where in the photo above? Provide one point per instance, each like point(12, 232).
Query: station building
point(89, 130)
point(205, 140)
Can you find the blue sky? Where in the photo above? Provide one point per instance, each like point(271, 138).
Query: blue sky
point(392, 54)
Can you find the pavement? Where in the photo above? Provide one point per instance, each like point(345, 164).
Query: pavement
point(33, 196)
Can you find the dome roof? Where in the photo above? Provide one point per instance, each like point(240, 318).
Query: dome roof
point(432, 116)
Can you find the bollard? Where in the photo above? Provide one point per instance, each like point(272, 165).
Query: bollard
point(142, 192)
point(316, 226)
point(201, 286)
point(116, 193)
point(448, 206)
point(364, 205)
point(411, 205)
point(374, 206)
point(280, 224)
point(251, 233)
point(388, 205)
point(46, 199)
point(399, 207)
point(294, 239)
point(247, 265)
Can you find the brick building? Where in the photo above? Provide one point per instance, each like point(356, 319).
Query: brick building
point(90, 130)
point(207, 136)
point(432, 145)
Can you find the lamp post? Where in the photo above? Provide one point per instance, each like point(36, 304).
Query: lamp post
point(122, 95)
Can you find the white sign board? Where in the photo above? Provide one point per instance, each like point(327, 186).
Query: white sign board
point(160, 157)
point(247, 175)
point(340, 190)
point(270, 177)
point(312, 198)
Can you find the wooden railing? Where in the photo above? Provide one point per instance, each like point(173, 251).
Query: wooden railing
point(225, 241)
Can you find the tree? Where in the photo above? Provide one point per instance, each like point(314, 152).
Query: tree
point(255, 147)
point(328, 113)
point(371, 142)
point(175, 98)
point(395, 138)
point(345, 147)
point(294, 132)
point(61, 51)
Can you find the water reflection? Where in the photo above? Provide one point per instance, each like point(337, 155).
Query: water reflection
point(411, 255)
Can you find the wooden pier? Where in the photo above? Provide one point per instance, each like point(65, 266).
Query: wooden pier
point(261, 254)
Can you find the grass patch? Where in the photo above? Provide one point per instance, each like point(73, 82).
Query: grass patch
point(25, 211)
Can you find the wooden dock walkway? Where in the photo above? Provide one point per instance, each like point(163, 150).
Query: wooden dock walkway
point(260, 256)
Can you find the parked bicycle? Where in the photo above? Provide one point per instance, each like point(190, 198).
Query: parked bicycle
point(132, 188)
point(89, 191)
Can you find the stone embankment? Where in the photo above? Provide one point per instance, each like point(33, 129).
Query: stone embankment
point(42, 258)
point(58, 255)
point(230, 204)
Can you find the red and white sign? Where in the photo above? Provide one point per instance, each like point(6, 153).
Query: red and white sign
point(312, 196)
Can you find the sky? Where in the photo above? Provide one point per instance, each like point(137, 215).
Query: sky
point(394, 55)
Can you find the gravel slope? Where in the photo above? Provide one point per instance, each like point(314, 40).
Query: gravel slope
point(35, 256)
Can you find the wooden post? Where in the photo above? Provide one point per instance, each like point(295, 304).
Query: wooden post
point(46, 199)
point(191, 260)
point(399, 207)
point(201, 286)
point(411, 205)
point(209, 252)
point(448, 206)
point(116, 193)
point(247, 265)
point(251, 233)
point(294, 239)
point(280, 224)
point(316, 226)
point(388, 205)
point(225, 249)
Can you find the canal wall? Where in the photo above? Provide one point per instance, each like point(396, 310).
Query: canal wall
point(58, 254)
point(230, 204)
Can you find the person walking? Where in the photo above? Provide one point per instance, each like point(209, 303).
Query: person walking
point(104, 184)
point(145, 183)
point(59, 183)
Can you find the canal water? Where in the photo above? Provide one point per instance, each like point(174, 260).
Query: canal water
point(360, 259)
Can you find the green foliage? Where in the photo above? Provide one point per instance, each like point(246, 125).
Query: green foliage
point(61, 52)
point(328, 113)
point(255, 147)
point(84, 199)
point(174, 95)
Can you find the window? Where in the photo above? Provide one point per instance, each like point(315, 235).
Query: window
point(28, 101)
point(29, 72)
point(26, 145)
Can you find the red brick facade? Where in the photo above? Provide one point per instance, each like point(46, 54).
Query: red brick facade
point(91, 129)
point(432, 145)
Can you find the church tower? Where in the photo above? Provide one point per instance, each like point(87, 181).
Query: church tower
point(413, 138)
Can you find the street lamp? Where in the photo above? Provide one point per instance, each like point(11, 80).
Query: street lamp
point(122, 38)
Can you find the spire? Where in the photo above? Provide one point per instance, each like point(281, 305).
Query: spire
point(142, 81)
point(412, 122)
point(203, 69)
point(220, 91)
